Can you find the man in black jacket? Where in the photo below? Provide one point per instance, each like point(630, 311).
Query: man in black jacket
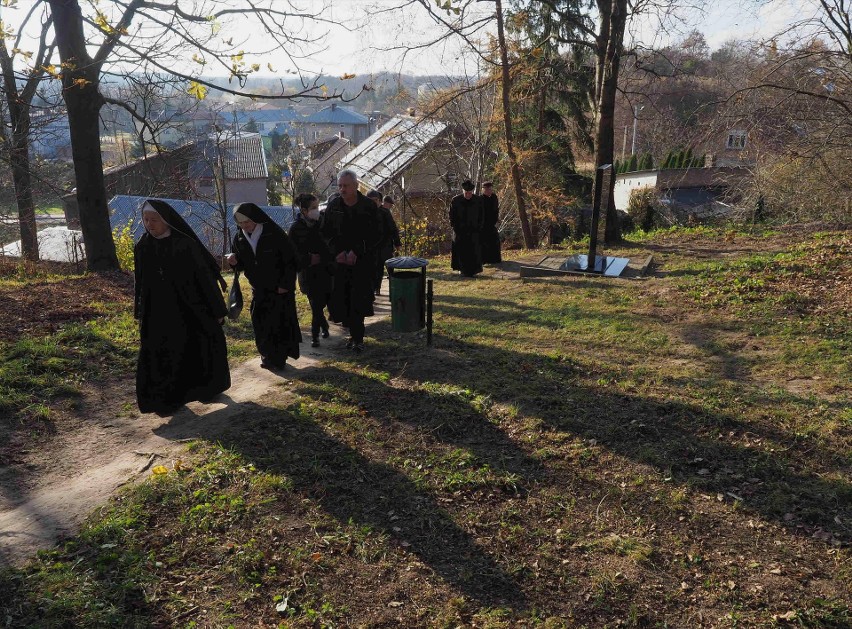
point(467, 220)
point(351, 228)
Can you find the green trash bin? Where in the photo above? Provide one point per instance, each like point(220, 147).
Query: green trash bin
point(407, 279)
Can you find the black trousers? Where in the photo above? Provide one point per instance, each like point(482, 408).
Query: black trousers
point(318, 320)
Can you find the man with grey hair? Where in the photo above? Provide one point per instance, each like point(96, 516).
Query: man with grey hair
point(353, 232)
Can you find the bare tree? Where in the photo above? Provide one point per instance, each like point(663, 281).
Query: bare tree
point(465, 20)
point(19, 88)
point(793, 98)
point(148, 34)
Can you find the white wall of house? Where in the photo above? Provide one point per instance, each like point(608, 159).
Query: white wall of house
point(628, 182)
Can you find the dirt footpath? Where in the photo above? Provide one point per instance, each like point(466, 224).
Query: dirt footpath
point(48, 495)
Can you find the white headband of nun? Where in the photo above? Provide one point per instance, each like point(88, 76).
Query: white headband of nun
point(240, 217)
point(147, 207)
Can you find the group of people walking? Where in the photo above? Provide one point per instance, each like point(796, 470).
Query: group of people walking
point(336, 257)
point(476, 240)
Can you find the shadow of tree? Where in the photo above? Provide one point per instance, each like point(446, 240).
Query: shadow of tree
point(352, 488)
point(762, 467)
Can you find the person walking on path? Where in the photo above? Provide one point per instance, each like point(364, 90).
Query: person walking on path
point(264, 252)
point(350, 227)
point(490, 217)
point(182, 355)
point(466, 220)
point(315, 263)
point(390, 240)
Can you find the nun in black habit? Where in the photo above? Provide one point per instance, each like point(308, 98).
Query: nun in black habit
point(264, 252)
point(180, 308)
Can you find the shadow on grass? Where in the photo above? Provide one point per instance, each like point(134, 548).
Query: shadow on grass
point(696, 447)
point(353, 488)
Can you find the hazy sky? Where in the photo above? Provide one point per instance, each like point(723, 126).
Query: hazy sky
point(364, 42)
point(367, 41)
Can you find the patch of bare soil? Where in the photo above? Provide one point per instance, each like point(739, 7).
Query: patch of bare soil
point(42, 307)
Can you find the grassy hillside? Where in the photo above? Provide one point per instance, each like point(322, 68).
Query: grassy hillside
point(671, 451)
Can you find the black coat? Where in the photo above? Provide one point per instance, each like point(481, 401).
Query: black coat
point(314, 280)
point(273, 315)
point(490, 238)
point(354, 228)
point(466, 218)
point(182, 354)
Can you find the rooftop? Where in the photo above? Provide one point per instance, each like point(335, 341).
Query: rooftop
point(391, 149)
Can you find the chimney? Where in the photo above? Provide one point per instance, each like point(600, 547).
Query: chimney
point(333, 106)
point(340, 134)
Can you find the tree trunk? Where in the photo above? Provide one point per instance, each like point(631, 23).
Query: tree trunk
point(529, 241)
point(80, 83)
point(613, 16)
point(19, 158)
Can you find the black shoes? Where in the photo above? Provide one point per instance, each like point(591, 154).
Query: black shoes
point(271, 366)
point(325, 332)
point(315, 342)
point(355, 347)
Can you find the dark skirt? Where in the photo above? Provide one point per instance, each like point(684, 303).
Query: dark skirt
point(276, 326)
point(181, 360)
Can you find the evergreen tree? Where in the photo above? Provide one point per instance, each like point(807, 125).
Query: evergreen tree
point(633, 164)
point(251, 126)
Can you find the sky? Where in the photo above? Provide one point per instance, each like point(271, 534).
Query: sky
point(364, 42)
point(720, 21)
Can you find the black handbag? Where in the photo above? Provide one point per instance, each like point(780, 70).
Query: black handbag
point(235, 298)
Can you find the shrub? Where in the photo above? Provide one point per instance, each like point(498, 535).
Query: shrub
point(642, 207)
point(420, 239)
point(123, 238)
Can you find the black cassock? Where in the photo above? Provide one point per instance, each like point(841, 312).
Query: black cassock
point(490, 238)
point(466, 220)
point(182, 354)
point(273, 314)
point(353, 228)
